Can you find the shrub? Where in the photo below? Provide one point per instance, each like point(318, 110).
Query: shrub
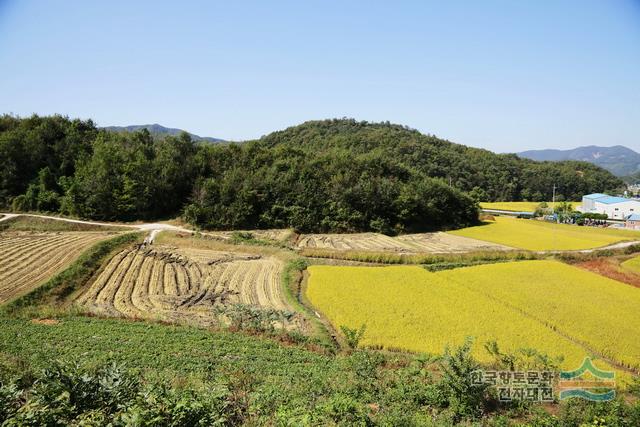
point(353, 336)
point(464, 399)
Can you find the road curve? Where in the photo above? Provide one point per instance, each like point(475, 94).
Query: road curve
point(152, 228)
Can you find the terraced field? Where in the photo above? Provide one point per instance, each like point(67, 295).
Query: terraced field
point(544, 236)
point(183, 284)
point(555, 308)
point(409, 243)
point(632, 265)
point(28, 259)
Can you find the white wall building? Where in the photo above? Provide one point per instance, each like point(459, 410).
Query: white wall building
point(614, 207)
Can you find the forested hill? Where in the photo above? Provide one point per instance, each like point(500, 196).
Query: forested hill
point(486, 175)
point(333, 175)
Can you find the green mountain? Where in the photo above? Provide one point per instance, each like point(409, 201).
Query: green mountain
point(161, 131)
point(492, 176)
point(619, 160)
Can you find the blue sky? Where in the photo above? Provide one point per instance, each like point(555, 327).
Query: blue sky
point(503, 75)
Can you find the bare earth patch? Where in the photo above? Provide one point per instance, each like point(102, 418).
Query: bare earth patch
point(48, 322)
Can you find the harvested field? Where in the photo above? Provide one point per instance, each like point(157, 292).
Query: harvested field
point(409, 243)
point(40, 224)
point(276, 235)
point(183, 284)
point(28, 259)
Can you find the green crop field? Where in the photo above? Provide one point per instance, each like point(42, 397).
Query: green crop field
point(557, 309)
point(544, 236)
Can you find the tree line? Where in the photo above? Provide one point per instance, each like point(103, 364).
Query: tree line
point(333, 175)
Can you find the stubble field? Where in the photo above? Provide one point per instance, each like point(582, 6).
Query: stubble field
point(183, 284)
point(408, 243)
point(28, 259)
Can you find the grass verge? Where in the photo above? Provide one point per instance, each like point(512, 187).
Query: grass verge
point(292, 276)
point(416, 259)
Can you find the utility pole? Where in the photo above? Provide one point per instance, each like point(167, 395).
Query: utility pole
point(553, 207)
point(553, 202)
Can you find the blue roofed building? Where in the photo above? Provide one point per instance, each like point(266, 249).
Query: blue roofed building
point(633, 221)
point(614, 207)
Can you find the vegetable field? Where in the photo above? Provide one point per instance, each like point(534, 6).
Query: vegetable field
point(28, 259)
point(409, 243)
point(183, 284)
point(544, 236)
point(557, 309)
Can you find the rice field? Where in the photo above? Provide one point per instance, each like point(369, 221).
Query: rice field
point(28, 259)
point(180, 284)
point(544, 236)
point(519, 206)
point(555, 308)
point(632, 265)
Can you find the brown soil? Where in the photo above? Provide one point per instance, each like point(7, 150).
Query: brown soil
point(48, 322)
point(610, 268)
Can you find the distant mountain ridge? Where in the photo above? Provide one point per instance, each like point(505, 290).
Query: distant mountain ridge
point(159, 130)
point(619, 160)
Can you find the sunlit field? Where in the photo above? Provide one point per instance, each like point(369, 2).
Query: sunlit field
point(632, 265)
point(537, 235)
point(518, 206)
point(557, 309)
point(572, 301)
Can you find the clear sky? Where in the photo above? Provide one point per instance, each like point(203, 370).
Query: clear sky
point(504, 75)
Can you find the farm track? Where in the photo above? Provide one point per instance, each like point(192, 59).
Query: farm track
point(28, 259)
point(167, 284)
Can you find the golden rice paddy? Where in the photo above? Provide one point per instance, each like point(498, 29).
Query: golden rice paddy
point(544, 236)
point(546, 305)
